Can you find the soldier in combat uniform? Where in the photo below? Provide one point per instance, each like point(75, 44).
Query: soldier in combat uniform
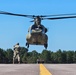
point(16, 53)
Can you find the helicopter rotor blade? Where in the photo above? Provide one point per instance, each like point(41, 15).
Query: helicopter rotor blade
point(58, 15)
point(22, 15)
point(65, 17)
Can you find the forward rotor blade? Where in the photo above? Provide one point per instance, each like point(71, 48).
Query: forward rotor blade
point(8, 13)
point(66, 17)
point(59, 15)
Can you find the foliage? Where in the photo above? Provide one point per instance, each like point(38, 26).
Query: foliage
point(6, 56)
point(9, 55)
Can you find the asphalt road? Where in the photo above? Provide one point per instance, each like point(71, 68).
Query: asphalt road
point(61, 69)
point(19, 69)
point(34, 69)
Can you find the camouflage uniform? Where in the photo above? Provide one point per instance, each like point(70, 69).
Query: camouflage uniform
point(16, 53)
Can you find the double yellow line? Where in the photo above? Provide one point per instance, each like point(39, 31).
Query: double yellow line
point(43, 70)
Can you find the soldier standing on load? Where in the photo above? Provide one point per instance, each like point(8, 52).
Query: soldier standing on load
point(16, 53)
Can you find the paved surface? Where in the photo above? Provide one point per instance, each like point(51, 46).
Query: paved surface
point(43, 70)
point(19, 69)
point(61, 69)
point(34, 69)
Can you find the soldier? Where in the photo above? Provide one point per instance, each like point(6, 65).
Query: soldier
point(16, 53)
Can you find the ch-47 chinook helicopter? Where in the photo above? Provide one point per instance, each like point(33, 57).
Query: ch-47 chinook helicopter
point(37, 32)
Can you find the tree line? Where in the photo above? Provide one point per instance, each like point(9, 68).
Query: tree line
point(48, 56)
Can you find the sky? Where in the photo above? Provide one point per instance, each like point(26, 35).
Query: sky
point(61, 33)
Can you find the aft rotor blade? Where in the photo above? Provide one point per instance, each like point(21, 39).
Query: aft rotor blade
point(66, 17)
point(8, 13)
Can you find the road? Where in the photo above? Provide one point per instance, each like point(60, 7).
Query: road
point(61, 69)
point(34, 69)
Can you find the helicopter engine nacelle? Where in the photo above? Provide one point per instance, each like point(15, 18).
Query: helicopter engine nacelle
point(28, 36)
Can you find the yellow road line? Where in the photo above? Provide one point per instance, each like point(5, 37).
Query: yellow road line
point(44, 71)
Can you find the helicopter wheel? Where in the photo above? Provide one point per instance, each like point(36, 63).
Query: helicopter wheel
point(27, 45)
point(45, 45)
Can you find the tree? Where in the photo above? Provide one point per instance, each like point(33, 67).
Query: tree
point(9, 55)
point(74, 57)
point(54, 57)
point(23, 54)
point(2, 55)
point(32, 56)
point(45, 55)
point(70, 56)
point(59, 56)
point(24, 58)
point(64, 56)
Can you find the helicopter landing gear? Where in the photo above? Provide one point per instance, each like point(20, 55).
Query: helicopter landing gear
point(27, 44)
point(45, 45)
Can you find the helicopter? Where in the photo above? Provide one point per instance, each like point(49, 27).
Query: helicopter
point(37, 32)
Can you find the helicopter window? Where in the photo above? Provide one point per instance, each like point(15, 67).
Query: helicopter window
point(34, 26)
point(37, 27)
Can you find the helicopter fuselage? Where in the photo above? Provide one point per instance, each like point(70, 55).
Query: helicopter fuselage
point(37, 37)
